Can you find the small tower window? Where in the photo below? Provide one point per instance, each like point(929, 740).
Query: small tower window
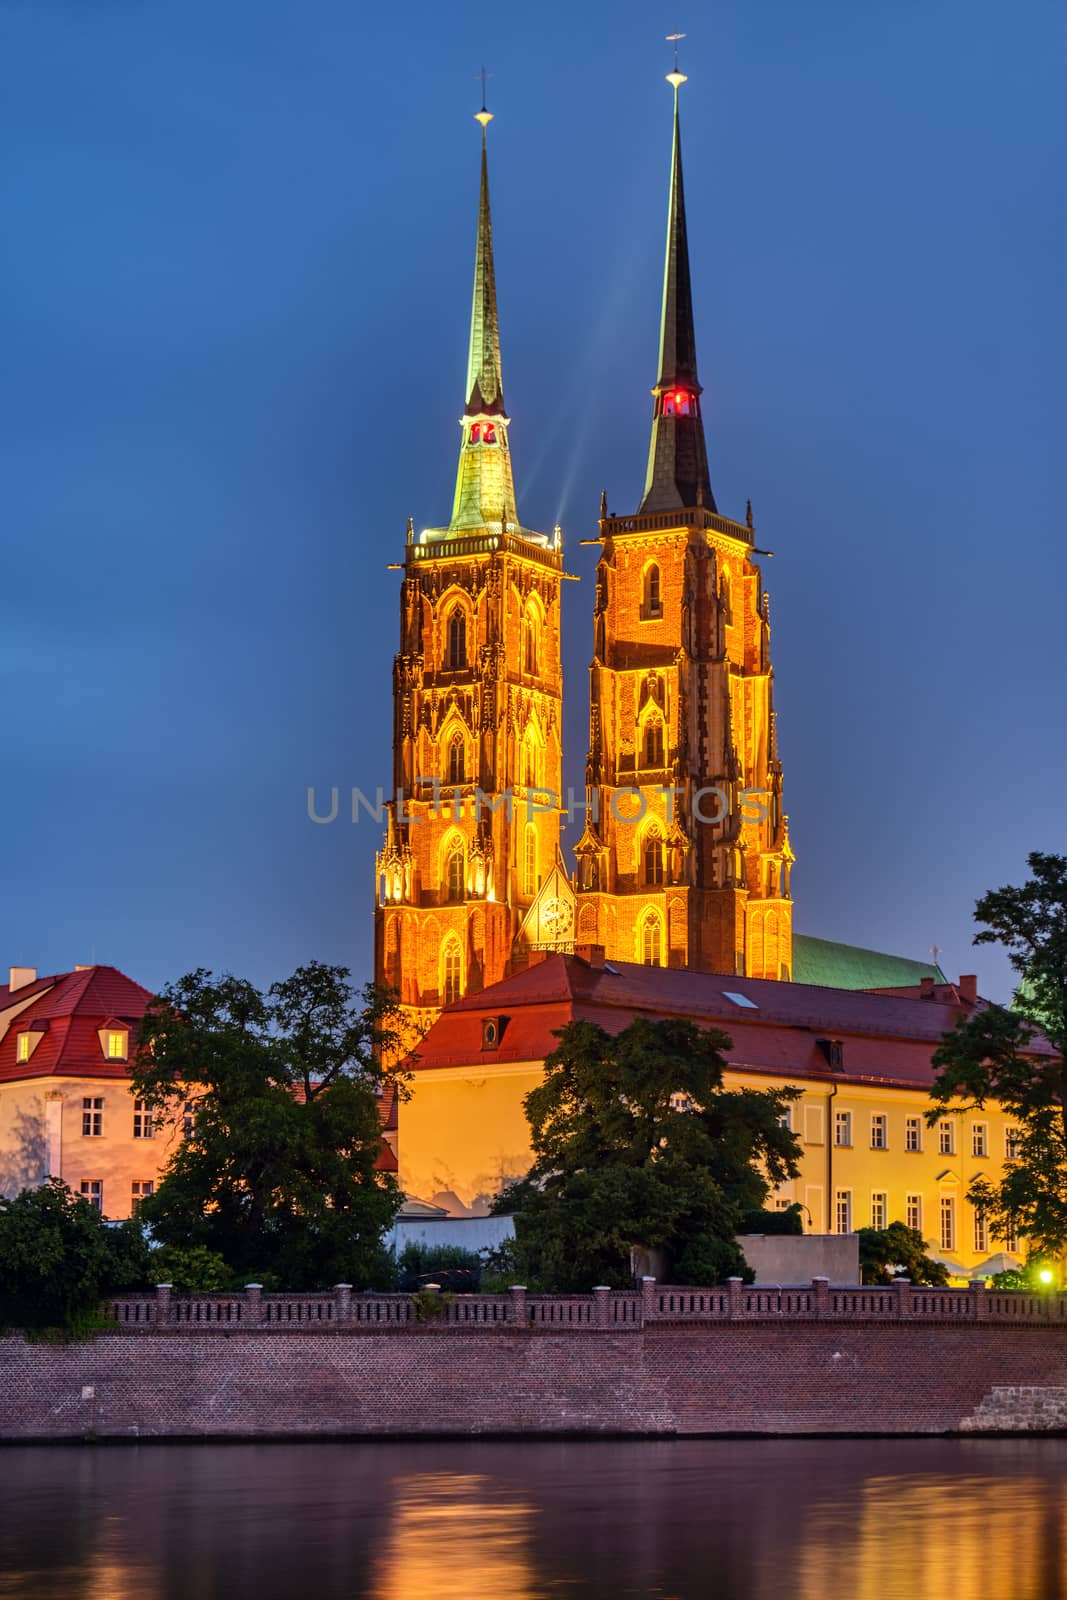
point(456, 875)
point(652, 942)
point(678, 403)
point(457, 639)
point(653, 605)
point(653, 742)
point(451, 972)
point(653, 859)
point(529, 861)
point(456, 760)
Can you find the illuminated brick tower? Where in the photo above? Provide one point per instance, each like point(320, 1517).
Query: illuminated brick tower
point(477, 694)
point(681, 699)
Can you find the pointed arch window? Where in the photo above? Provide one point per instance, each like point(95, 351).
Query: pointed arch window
point(652, 858)
point(531, 763)
point(483, 433)
point(652, 941)
point(451, 971)
point(531, 642)
point(456, 874)
point(652, 600)
point(529, 861)
point(653, 742)
point(457, 639)
point(457, 760)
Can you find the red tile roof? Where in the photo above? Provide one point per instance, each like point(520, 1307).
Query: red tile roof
point(886, 1038)
point(71, 1006)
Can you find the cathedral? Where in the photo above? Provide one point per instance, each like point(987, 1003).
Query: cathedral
point(684, 859)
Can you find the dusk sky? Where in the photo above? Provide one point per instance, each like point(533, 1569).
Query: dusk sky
point(238, 245)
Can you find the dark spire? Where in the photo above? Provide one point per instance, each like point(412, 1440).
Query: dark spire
point(677, 459)
point(485, 390)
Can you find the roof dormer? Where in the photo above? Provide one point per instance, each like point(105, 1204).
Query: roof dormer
point(27, 1040)
point(114, 1038)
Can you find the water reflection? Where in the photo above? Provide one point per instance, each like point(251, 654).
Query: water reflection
point(974, 1519)
point(448, 1528)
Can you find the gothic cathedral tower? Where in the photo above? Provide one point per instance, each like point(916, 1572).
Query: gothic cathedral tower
point(477, 697)
point(677, 865)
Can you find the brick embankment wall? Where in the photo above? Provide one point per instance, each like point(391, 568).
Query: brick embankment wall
point(794, 1377)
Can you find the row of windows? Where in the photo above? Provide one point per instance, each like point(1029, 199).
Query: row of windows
point(913, 1135)
point(115, 1042)
point(913, 1217)
point(532, 764)
point(456, 657)
point(92, 1189)
point(455, 873)
point(93, 1118)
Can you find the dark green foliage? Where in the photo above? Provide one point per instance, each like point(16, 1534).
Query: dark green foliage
point(636, 1142)
point(449, 1265)
point(190, 1269)
point(790, 1221)
point(276, 1175)
point(59, 1259)
point(1015, 1057)
point(897, 1252)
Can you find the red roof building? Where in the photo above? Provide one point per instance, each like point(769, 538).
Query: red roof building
point(859, 1059)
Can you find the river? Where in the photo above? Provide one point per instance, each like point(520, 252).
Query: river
point(871, 1519)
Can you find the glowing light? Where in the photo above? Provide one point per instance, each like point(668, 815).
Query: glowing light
point(1045, 1275)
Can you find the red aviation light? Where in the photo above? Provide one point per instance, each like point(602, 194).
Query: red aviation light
point(677, 403)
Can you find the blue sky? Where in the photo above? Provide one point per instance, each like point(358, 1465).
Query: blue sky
point(236, 272)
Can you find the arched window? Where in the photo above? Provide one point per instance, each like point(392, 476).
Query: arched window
point(652, 858)
point(653, 606)
point(457, 639)
point(531, 763)
point(530, 642)
point(652, 941)
point(451, 972)
point(653, 742)
point(529, 861)
point(456, 759)
point(727, 597)
point(456, 874)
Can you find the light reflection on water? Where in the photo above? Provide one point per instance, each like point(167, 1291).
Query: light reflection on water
point(970, 1519)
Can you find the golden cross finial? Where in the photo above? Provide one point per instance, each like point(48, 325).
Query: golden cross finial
point(483, 116)
point(676, 78)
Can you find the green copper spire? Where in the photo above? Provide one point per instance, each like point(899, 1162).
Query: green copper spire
point(677, 475)
point(485, 491)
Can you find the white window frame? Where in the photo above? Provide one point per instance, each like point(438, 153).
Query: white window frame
point(843, 1210)
point(119, 1051)
point(92, 1116)
point(144, 1123)
point(913, 1212)
point(843, 1123)
point(913, 1130)
point(979, 1137)
point(947, 1220)
point(981, 1232)
point(946, 1136)
point(879, 1204)
point(86, 1188)
point(1012, 1136)
point(879, 1124)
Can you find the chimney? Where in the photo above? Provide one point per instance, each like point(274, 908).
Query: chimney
point(21, 976)
point(594, 954)
point(83, 966)
point(968, 987)
point(926, 988)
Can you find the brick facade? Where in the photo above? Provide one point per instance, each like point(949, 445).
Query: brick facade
point(811, 1374)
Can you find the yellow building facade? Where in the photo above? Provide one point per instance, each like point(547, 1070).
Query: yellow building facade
point(860, 1066)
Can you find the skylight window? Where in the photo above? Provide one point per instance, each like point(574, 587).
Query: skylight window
point(740, 1000)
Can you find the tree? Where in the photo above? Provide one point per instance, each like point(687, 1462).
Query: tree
point(59, 1258)
point(273, 1100)
point(636, 1142)
point(1015, 1057)
point(897, 1251)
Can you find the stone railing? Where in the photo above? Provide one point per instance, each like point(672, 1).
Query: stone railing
point(605, 1310)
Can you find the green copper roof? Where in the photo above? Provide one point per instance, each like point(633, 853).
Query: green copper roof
point(848, 966)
